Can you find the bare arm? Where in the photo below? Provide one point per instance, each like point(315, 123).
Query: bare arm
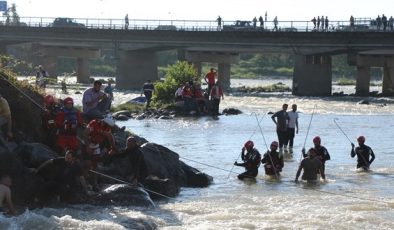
point(8, 201)
point(298, 172)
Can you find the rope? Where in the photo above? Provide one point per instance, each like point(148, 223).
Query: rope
point(342, 130)
point(307, 132)
point(248, 139)
point(23, 93)
point(132, 185)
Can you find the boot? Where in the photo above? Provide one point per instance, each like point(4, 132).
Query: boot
point(285, 149)
point(291, 149)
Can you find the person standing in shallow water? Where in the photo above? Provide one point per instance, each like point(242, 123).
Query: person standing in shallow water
point(251, 161)
point(321, 152)
point(147, 89)
point(311, 166)
point(281, 126)
point(273, 161)
point(292, 127)
point(363, 153)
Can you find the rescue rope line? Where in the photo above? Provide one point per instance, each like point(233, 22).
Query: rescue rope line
point(269, 153)
point(132, 185)
point(362, 157)
point(343, 195)
point(23, 93)
point(261, 120)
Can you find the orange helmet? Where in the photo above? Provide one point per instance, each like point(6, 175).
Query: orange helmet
point(49, 100)
point(249, 144)
point(361, 139)
point(68, 100)
point(316, 140)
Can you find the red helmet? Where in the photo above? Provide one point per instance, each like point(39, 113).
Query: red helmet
point(316, 140)
point(49, 100)
point(249, 144)
point(68, 100)
point(275, 143)
point(361, 139)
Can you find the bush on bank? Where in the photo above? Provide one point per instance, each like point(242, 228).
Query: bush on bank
point(176, 75)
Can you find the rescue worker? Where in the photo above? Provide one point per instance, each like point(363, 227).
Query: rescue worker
point(251, 161)
point(210, 79)
point(311, 166)
point(273, 161)
point(67, 120)
point(216, 93)
point(363, 153)
point(99, 143)
point(147, 89)
point(321, 152)
point(63, 176)
point(48, 117)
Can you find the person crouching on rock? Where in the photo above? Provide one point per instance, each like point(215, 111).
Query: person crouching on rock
point(251, 161)
point(63, 176)
point(67, 120)
point(136, 158)
point(273, 161)
point(99, 141)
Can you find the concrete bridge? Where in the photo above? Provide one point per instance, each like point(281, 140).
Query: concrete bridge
point(136, 51)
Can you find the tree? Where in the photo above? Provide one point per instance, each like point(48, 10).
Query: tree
point(176, 75)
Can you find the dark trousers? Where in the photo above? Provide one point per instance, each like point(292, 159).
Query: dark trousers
point(215, 106)
point(248, 174)
point(290, 136)
point(282, 137)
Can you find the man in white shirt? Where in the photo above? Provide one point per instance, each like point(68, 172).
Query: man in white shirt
point(292, 128)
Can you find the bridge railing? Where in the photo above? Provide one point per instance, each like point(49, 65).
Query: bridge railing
point(191, 25)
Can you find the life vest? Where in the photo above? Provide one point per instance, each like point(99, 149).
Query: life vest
point(70, 121)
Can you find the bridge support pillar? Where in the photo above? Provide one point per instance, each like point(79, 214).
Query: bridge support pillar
point(134, 68)
point(224, 75)
point(388, 80)
point(362, 81)
point(312, 75)
point(83, 70)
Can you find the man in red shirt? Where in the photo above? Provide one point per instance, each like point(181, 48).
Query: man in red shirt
point(210, 79)
point(99, 136)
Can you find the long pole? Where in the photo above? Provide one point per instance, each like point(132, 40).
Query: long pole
point(309, 127)
point(232, 167)
point(339, 127)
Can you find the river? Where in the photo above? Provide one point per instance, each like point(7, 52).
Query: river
point(349, 200)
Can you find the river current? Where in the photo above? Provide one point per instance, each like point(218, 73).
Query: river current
point(349, 200)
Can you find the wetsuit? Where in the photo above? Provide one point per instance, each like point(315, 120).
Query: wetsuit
point(363, 152)
point(273, 163)
point(251, 163)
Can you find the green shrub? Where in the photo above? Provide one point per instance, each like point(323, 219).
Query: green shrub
point(176, 74)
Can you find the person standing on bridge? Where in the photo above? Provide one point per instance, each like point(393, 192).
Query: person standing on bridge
point(384, 22)
point(391, 23)
point(126, 21)
point(261, 22)
point(254, 22)
point(318, 22)
point(314, 22)
point(378, 23)
point(326, 23)
point(351, 21)
point(276, 23)
point(219, 20)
